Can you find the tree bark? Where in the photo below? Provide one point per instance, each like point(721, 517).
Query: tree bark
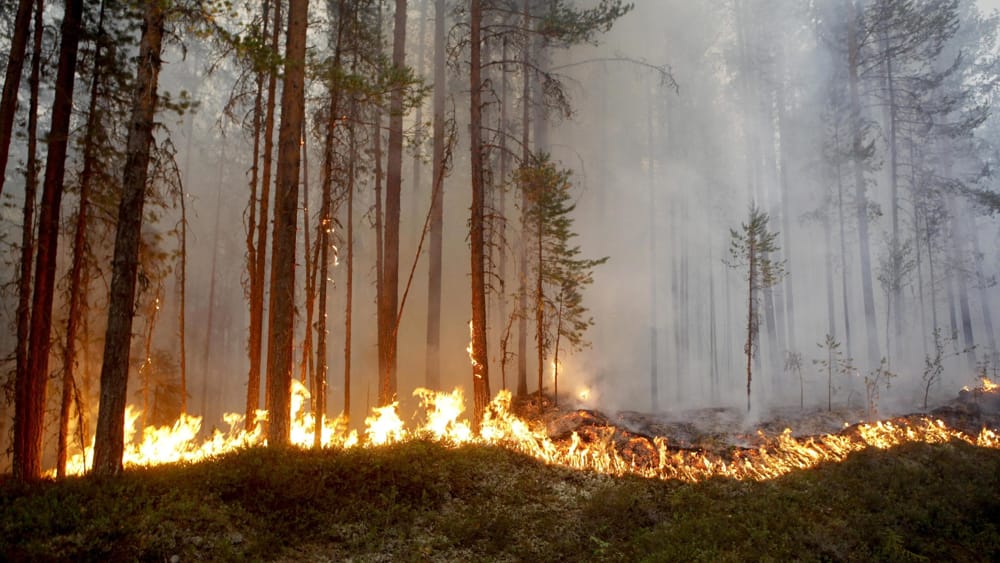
point(109, 440)
point(282, 304)
point(30, 385)
point(480, 362)
point(12, 81)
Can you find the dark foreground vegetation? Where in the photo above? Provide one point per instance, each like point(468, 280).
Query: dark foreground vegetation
point(422, 501)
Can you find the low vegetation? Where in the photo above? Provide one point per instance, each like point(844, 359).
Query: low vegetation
point(423, 501)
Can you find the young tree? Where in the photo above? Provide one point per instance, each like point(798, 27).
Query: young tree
point(561, 275)
point(750, 249)
point(110, 436)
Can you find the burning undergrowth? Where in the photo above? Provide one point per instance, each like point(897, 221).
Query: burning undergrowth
point(630, 443)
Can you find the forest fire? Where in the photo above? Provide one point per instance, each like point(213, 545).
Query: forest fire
point(602, 448)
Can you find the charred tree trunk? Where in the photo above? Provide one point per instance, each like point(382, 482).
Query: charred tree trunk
point(109, 440)
point(480, 362)
point(30, 384)
point(279, 349)
point(12, 80)
point(435, 251)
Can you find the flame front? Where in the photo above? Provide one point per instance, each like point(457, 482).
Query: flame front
point(777, 456)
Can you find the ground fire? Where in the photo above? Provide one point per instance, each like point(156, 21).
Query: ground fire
point(584, 440)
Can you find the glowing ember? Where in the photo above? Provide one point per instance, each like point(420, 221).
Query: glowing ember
point(777, 456)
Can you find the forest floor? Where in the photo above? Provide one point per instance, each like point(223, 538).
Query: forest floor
point(425, 501)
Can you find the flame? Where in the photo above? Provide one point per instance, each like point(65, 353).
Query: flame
point(776, 456)
point(985, 386)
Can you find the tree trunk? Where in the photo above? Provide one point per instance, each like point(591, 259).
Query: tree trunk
point(109, 441)
point(435, 251)
point(212, 281)
point(279, 342)
point(30, 385)
point(76, 287)
point(857, 144)
point(843, 261)
point(751, 318)
point(480, 361)
point(419, 120)
point(654, 398)
point(393, 188)
point(786, 213)
point(349, 291)
point(30, 195)
point(323, 238)
point(890, 86)
point(522, 291)
point(310, 267)
point(501, 187)
point(539, 299)
point(255, 252)
point(257, 305)
point(959, 275)
point(984, 302)
point(12, 81)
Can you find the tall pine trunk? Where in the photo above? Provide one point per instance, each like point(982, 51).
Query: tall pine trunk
point(257, 301)
point(279, 349)
point(480, 361)
point(255, 255)
point(30, 195)
point(76, 287)
point(522, 291)
point(393, 187)
point(109, 440)
point(30, 384)
point(435, 250)
point(857, 149)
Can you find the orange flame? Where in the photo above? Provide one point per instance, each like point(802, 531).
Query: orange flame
point(777, 456)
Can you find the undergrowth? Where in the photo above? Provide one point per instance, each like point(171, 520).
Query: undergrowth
point(423, 501)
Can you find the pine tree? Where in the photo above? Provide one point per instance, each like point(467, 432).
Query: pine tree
point(750, 248)
point(560, 274)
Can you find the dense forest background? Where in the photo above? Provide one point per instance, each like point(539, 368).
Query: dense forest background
point(864, 129)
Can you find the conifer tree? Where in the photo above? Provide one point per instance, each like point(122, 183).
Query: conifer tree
point(750, 248)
